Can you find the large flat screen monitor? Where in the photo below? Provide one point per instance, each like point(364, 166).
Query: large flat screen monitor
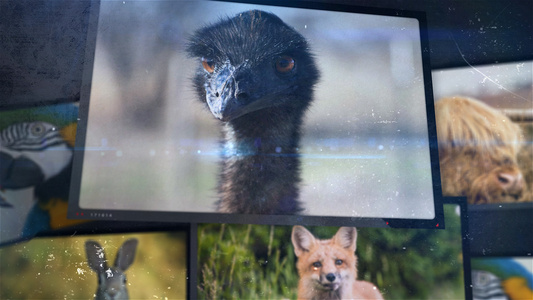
point(213, 111)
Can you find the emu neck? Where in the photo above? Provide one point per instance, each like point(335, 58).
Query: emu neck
point(330, 295)
point(317, 293)
point(260, 167)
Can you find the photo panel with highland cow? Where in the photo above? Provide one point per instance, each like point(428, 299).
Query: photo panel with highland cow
point(484, 118)
point(211, 111)
point(303, 262)
point(122, 265)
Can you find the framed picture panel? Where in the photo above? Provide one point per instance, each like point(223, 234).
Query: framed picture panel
point(333, 121)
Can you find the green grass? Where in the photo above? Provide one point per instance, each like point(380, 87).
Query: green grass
point(238, 265)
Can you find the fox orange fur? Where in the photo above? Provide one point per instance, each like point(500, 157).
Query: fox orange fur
point(328, 268)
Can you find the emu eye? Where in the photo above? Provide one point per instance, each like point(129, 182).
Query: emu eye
point(284, 64)
point(338, 262)
point(208, 64)
point(317, 265)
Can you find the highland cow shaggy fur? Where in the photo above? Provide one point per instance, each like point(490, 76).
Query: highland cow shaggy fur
point(525, 162)
point(478, 148)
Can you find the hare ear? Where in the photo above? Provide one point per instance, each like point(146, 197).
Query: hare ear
point(95, 256)
point(346, 237)
point(126, 254)
point(302, 240)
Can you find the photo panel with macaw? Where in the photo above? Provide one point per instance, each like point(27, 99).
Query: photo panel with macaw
point(502, 278)
point(37, 146)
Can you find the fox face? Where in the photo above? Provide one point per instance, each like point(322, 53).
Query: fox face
point(328, 268)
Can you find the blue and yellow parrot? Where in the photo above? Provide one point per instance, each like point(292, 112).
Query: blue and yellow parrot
point(36, 151)
point(507, 275)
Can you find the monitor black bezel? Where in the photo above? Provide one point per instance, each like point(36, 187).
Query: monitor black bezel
point(76, 212)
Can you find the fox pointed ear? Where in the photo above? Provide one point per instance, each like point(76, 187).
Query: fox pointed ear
point(346, 237)
point(302, 240)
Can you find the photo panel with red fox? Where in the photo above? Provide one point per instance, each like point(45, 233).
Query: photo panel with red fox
point(297, 262)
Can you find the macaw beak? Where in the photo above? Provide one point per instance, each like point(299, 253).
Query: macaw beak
point(3, 201)
point(18, 173)
point(68, 133)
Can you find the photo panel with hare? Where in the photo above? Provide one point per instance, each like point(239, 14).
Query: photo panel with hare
point(141, 265)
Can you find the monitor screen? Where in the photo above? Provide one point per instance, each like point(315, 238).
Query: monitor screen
point(219, 112)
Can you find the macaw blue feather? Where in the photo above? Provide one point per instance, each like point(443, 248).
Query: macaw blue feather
point(37, 220)
point(60, 115)
point(503, 268)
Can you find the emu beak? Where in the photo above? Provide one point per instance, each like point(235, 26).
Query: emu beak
point(235, 93)
point(227, 109)
point(221, 108)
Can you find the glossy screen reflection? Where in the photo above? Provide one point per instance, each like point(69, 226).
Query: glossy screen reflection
point(150, 145)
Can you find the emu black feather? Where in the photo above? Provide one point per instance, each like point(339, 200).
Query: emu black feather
point(256, 75)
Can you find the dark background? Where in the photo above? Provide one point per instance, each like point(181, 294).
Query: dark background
point(43, 42)
point(42, 45)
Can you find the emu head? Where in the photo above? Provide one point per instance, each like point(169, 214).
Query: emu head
point(251, 62)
